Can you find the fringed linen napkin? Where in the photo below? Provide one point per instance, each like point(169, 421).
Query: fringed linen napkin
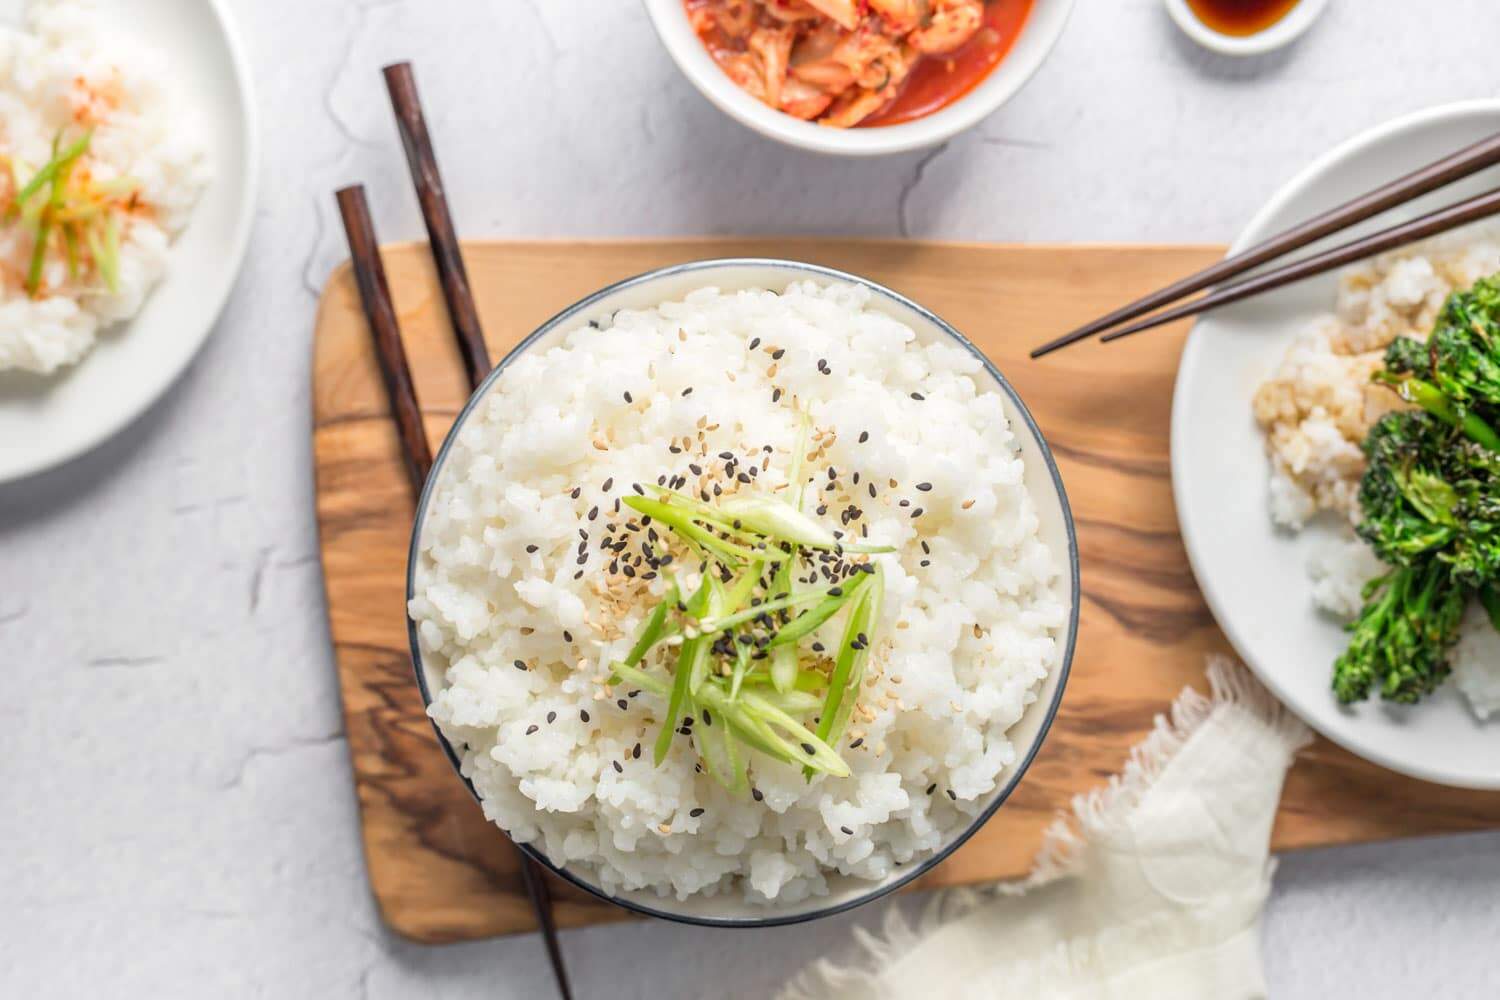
point(1152, 888)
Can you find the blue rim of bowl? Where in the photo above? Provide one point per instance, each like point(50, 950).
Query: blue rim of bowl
point(579, 310)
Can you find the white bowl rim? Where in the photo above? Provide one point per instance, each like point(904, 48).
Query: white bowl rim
point(1278, 35)
point(1192, 356)
point(1039, 36)
point(1069, 636)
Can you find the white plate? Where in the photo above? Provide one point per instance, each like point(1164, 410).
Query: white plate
point(45, 421)
point(1253, 575)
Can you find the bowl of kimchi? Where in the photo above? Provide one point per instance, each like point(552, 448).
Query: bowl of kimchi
point(859, 77)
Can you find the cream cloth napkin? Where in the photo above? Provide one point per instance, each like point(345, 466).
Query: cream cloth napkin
point(1152, 887)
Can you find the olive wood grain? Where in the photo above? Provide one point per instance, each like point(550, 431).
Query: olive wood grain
point(440, 873)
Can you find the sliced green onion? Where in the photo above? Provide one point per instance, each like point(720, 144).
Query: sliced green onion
point(784, 656)
point(754, 611)
point(822, 756)
point(50, 170)
point(698, 667)
point(685, 657)
point(639, 678)
point(741, 665)
point(682, 523)
point(811, 619)
point(109, 264)
point(654, 629)
point(38, 258)
point(848, 669)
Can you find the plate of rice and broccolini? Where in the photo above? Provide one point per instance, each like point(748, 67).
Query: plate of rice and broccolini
point(1336, 464)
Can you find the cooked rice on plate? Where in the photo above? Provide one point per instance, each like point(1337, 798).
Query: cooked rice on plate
point(1319, 403)
point(101, 164)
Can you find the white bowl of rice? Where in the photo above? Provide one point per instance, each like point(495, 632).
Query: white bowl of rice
point(525, 584)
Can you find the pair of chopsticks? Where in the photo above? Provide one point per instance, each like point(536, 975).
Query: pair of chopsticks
point(1464, 163)
point(375, 294)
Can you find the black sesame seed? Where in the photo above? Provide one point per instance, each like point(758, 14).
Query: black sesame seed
point(695, 468)
point(918, 396)
point(917, 512)
point(635, 751)
point(688, 391)
point(708, 720)
point(925, 562)
point(952, 796)
point(727, 456)
point(818, 647)
point(932, 788)
point(822, 509)
point(521, 665)
point(924, 487)
point(551, 718)
point(872, 491)
point(695, 813)
point(777, 354)
point(857, 743)
point(618, 768)
point(578, 575)
point(742, 477)
point(627, 397)
point(775, 395)
point(807, 748)
point(623, 704)
point(847, 832)
point(576, 491)
point(583, 714)
point(532, 729)
point(926, 548)
point(754, 343)
point(835, 591)
point(637, 488)
point(864, 436)
point(531, 548)
point(608, 483)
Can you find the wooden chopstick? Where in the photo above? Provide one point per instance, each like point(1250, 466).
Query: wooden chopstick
point(1465, 162)
point(1476, 208)
point(375, 296)
point(454, 277)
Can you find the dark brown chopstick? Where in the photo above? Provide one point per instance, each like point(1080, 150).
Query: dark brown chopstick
point(1480, 207)
point(375, 296)
point(402, 86)
point(1465, 162)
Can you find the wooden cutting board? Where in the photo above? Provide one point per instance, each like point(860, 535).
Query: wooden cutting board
point(441, 873)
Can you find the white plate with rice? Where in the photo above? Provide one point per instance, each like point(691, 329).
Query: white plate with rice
point(157, 95)
point(1271, 403)
point(514, 620)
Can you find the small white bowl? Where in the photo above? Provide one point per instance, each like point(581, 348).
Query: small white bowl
point(1040, 33)
point(1283, 32)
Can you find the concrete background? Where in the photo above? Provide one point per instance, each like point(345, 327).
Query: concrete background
point(175, 808)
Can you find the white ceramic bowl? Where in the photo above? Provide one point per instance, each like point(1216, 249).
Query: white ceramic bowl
point(1283, 32)
point(1042, 29)
point(1253, 575)
point(1042, 481)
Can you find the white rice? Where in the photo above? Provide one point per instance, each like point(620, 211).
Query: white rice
point(962, 647)
point(68, 70)
point(1318, 405)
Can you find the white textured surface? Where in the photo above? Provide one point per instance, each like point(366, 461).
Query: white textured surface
point(175, 809)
